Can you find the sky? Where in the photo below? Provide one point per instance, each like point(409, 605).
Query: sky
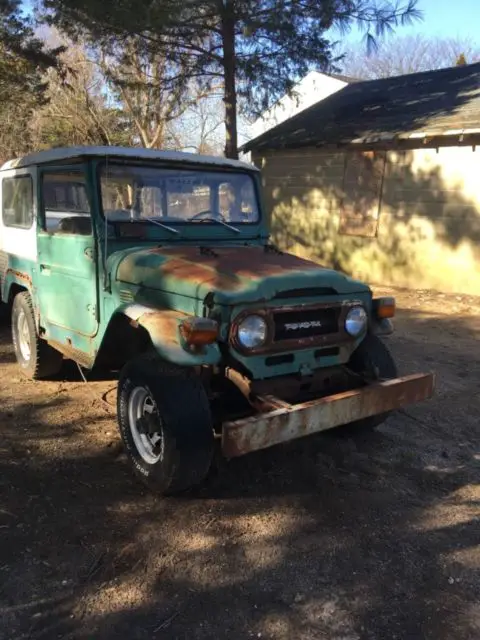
point(449, 18)
point(446, 18)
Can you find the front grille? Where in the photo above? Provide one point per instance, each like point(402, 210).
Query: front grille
point(274, 361)
point(310, 292)
point(325, 353)
point(305, 323)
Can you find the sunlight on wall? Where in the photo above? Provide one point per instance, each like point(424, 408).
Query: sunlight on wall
point(428, 233)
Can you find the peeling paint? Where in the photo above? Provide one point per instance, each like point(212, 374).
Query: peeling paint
point(234, 274)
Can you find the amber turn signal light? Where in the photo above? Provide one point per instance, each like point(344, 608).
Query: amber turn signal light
point(198, 332)
point(384, 308)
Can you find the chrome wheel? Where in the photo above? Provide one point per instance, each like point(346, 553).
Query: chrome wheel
point(145, 425)
point(23, 336)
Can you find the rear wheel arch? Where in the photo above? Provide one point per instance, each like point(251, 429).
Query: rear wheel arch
point(36, 358)
point(13, 290)
point(7, 296)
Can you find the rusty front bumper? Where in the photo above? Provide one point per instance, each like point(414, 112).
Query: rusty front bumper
point(294, 421)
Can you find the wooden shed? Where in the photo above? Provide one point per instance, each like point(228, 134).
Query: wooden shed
point(382, 180)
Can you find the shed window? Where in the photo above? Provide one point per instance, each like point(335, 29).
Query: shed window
point(17, 202)
point(362, 187)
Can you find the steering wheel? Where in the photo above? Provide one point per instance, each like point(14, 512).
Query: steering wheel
point(206, 215)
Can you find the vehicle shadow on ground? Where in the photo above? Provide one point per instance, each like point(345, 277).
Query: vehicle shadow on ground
point(329, 537)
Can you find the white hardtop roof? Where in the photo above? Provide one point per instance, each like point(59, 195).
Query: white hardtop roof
point(61, 154)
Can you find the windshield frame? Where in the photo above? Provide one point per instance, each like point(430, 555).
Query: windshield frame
point(249, 229)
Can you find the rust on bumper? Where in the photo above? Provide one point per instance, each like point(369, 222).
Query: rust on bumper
point(267, 429)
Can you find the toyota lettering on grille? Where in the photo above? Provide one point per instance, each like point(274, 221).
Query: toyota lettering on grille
point(295, 326)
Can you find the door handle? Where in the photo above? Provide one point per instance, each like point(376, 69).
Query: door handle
point(45, 270)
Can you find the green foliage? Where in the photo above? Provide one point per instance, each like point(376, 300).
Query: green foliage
point(42, 110)
point(461, 60)
point(77, 110)
point(24, 58)
point(151, 89)
point(257, 48)
point(276, 41)
point(22, 91)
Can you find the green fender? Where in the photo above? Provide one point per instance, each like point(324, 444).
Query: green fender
point(163, 326)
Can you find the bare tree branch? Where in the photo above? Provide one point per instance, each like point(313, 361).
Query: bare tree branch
point(408, 54)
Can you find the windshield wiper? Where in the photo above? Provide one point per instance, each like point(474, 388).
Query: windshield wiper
point(229, 226)
point(159, 224)
point(218, 221)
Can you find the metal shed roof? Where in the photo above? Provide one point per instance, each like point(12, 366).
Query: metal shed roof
point(441, 102)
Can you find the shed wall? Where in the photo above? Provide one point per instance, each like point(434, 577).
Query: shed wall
point(406, 218)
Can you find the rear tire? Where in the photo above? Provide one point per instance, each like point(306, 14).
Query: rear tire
point(165, 423)
point(373, 360)
point(36, 358)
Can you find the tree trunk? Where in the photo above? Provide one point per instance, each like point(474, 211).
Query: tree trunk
point(229, 68)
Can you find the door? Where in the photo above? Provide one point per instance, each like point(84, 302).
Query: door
point(362, 191)
point(67, 271)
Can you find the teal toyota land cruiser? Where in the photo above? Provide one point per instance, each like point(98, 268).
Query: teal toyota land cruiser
point(159, 265)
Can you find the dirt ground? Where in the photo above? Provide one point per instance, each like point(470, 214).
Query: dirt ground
point(340, 539)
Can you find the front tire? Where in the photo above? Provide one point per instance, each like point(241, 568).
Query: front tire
point(36, 358)
point(165, 423)
point(373, 360)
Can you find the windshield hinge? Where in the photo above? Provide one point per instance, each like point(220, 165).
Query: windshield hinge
point(107, 284)
point(207, 251)
point(271, 248)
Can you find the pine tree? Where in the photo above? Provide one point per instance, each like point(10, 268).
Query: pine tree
point(256, 49)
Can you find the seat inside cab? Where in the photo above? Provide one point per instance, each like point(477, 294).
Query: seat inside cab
point(67, 209)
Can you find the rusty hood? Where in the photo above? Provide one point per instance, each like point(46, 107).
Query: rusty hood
point(233, 275)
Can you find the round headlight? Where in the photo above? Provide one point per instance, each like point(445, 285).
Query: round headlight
point(356, 321)
point(252, 332)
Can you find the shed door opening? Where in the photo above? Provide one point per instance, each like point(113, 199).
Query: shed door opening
point(362, 188)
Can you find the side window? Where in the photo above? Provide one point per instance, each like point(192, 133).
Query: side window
point(17, 202)
point(65, 203)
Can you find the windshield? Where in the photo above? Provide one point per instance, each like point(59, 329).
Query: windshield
point(136, 193)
